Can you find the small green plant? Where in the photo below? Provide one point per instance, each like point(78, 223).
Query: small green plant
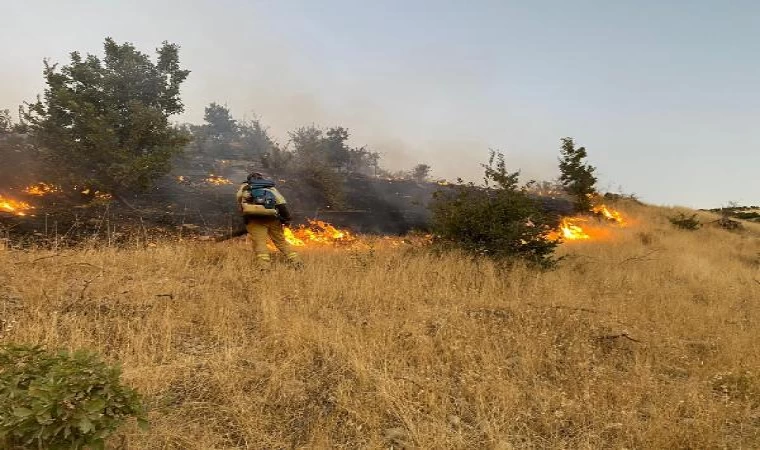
point(685, 222)
point(61, 400)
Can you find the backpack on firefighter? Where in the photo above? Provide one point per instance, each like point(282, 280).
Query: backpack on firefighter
point(258, 199)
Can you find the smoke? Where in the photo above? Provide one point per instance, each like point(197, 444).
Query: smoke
point(408, 104)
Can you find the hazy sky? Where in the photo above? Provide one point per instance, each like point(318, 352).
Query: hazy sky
point(665, 95)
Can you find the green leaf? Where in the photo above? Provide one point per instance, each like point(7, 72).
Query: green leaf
point(96, 405)
point(22, 412)
point(85, 426)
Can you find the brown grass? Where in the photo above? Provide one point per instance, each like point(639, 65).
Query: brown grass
point(645, 340)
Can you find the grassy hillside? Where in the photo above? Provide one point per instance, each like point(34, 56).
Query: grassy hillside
point(644, 339)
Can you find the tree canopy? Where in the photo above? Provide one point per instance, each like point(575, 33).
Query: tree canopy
point(106, 121)
point(576, 175)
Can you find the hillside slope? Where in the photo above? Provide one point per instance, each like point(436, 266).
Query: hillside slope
point(643, 339)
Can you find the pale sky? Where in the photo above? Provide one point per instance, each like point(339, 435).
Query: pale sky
point(665, 95)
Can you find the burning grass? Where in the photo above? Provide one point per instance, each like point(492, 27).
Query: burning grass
point(217, 180)
point(585, 228)
point(318, 232)
point(647, 340)
point(15, 207)
point(41, 189)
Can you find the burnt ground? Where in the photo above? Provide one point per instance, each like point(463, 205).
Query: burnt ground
point(193, 207)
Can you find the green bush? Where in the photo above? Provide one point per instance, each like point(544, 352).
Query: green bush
point(60, 400)
point(685, 222)
point(498, 221)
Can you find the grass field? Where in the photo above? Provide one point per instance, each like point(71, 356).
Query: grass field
point(644, 339)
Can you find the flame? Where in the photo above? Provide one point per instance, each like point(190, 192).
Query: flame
point(16, 207)
point(217, 180)
point(318, 232)
point(181, 179)
point(103, 195)
point(98, 195)
point(610, 214)
point(570, 228)
point(41, 188)
point(292, 239)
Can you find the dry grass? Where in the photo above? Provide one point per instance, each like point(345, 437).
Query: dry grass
point(646, 340)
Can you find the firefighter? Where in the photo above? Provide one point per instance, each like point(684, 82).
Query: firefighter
point(265, 212)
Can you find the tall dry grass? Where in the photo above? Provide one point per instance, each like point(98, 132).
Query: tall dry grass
point(646, 339)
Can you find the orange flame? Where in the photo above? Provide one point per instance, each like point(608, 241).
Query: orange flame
point(41, 188)
point(610, 214)
point(217, 180)
point(570, 229)
point(318, 232)
point(16, 207)
point(98, 195)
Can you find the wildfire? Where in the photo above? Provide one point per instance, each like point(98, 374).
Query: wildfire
point(41, 188)
point(608, 213)
point(99, 195)
point(570, 228)
point(217, 180)
point(16, 207)
point(318, 232)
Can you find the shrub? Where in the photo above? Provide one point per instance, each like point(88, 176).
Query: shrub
point(685, 222)
point(576, 175)
point(499, 221)
point(60, 400)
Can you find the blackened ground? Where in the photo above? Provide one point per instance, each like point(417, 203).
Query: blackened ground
point(186, 204)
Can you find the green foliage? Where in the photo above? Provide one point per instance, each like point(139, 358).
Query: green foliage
point(106, 122)
point(685, 222)
point(329, 149)
point(220, 124)
point(499, 221)
point(747, 215)
point(60, 401)
point(576, 175)
point(225, 137)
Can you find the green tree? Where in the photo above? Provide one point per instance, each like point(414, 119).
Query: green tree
point(106, 122)
point(254, 139)
point(576, 175)
point(421, 172)
point(220, 125)
point(500, 220)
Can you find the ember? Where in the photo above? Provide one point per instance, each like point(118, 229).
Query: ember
point(16, 207)
point(40, 189)
point(217, 180)
point(99, 195)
